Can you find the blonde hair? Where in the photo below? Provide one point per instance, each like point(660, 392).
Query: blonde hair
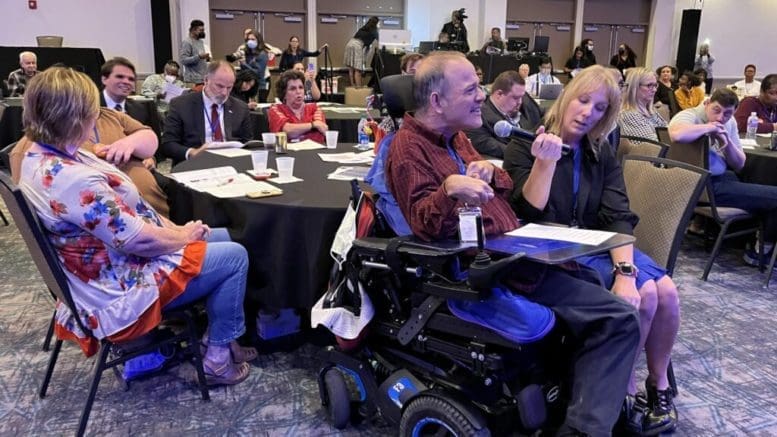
point(634, 77)
point(587, 81)
point(59, 105)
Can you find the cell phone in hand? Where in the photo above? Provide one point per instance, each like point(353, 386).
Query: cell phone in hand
point(311, 67)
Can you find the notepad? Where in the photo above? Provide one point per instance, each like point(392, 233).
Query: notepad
point(573, 235)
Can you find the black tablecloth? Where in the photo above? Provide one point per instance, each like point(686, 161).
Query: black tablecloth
point(88, 60)
point(346, 123)
point(10, 125)
point(287, 237)
point(760, 164)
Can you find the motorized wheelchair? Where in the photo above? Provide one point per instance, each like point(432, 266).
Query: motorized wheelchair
point(417, 365)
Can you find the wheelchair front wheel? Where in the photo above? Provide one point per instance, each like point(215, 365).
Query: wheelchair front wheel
point(338, 398)
point(435, 416)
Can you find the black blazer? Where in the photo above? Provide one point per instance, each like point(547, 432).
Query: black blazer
point(484, 139)
point(602, 201)
point(185, 124)
point(144, 111)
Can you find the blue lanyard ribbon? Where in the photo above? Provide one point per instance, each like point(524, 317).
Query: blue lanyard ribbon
point(577, 155)
point(457, 159)
point(213, 123)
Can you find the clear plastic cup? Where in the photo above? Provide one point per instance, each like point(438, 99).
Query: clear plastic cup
point(285, 167)
point(259, 160)
point(331, 139)
point(269, 140)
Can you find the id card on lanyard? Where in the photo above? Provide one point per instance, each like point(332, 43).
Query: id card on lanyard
point(577, 156)
point(470, 217)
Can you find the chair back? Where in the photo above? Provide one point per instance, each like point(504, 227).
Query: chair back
point(5, 156)
point(663, 194)
point(695, 153)
point(665, 112)
point(357, 96)
point(398, 94)
point(49, 41)
point(35, 237)
point(631, 145)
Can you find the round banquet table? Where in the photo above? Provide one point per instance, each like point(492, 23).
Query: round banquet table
point(287, 237)
point(760, 164)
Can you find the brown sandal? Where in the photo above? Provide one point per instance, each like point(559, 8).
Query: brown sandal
point(228, 373)
point(239, 354)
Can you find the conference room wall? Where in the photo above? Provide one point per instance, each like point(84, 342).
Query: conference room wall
point(125, 30)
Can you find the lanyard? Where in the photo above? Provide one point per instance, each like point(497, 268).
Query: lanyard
point(212, 123)
point(457, 159)
point(58, 152)
point(577, 158)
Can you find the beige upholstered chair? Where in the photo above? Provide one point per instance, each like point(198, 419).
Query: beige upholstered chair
point(357, 96)
point(631, 145)
point(49, 41)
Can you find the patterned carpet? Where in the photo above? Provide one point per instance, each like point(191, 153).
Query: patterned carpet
point(724, 360)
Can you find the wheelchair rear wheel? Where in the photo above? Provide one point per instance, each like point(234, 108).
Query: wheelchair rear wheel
point(338, 398)
point(435, 416)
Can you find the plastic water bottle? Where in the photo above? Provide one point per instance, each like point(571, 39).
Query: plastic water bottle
point(364, 139)
point(752, 126)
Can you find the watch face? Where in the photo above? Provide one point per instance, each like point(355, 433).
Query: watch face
point(627, 269)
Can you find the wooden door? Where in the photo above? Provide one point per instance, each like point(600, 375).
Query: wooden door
point(603, 45)
point(278, 28)
point(634, 37)
point(335, 31)
point(226, 30)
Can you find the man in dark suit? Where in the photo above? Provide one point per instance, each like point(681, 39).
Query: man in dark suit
point(198, 118)
point(118, 77)
point(508, 101)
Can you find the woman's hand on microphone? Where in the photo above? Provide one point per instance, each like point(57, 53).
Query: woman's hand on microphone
point(547, 146)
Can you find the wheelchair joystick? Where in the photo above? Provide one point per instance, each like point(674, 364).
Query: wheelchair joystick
point(482, 258)
point(483, 272)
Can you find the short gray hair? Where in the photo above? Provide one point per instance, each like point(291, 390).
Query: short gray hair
point(430, 76)
point(23, 54)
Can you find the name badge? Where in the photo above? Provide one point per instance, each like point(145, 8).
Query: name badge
point(470, 219)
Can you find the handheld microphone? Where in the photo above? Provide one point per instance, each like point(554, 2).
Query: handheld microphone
point(504, 129)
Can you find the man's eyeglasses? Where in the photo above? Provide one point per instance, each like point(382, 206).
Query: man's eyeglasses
point(652, 85)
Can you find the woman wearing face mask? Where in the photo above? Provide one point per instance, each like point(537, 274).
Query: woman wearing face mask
point(625, 58)
point(586, 189)
point(588, 51)
point(253, 55)
point(155, 84)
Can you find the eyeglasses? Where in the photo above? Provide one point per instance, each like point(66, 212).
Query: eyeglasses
point(652, 85)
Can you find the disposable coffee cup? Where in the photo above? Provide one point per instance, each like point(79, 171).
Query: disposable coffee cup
point(331, 139)
point(280, 142)
point(285, 167)
point(269, 140)
point(259, 160)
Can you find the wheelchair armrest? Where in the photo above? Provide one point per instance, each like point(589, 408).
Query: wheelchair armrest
point(454, 291)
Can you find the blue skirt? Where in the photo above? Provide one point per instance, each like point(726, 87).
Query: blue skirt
point(602, 263)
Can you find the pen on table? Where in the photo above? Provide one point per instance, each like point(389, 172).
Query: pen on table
point(228, 181)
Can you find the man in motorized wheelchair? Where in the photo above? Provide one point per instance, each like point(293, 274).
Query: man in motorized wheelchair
point(472, 370)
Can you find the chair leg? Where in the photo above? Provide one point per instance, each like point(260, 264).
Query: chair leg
point(98, 372)
point(194, 349)
point(49, 333)
point(770, 267)
point(715, 250)
point(671, 378)
point(50, 368)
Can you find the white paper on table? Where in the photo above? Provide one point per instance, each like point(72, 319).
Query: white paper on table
point(285, 180)
point(349, 173)
point(204, 177)
point(224, 145)
point(764, 135)
point(304, 145)
point(264, 105)
point(573, 235)
point(239, 186)
point(349, 157)
point(172, 90)
point(230, 153)
point(267, 172)
point(346, 109)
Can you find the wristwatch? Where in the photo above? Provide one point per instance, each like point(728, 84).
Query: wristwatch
point(625, 269)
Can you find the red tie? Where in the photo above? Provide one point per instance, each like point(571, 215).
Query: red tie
point(215, 123)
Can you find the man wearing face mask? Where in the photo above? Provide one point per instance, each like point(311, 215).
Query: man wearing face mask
point(544, 77)
point(194, 54)
point(155, 84)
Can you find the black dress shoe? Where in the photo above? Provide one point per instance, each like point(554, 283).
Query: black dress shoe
point(662, 414)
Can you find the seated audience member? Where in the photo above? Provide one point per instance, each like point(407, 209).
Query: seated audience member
point(666, 85)
point(481, 80)
point(689, 94)
point(300, 120)
point(577, 62)
point(544, 77)
point(508, 101)
point(294, 53)
point(212, 115)
point(523, 71)
point(194, 57)
point(542, 179)
point(410, 62)
point(122, 141)
point(495, 43)
point(715, 119)
point(312, 92)
point(748, 87)
point(245, 87)
point(118, 77)
point(154, 85)
point(17, 79)
point(624, 59)
point(638, 118)
point(432, 170)
point(764, 106)
point(116, 250)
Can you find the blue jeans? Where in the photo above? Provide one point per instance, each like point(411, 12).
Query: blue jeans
point(222, 283)
point(753, 198)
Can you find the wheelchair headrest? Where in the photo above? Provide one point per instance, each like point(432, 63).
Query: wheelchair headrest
point(398, 94)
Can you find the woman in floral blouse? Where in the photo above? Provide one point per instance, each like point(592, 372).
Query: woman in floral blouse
point(124, 262)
